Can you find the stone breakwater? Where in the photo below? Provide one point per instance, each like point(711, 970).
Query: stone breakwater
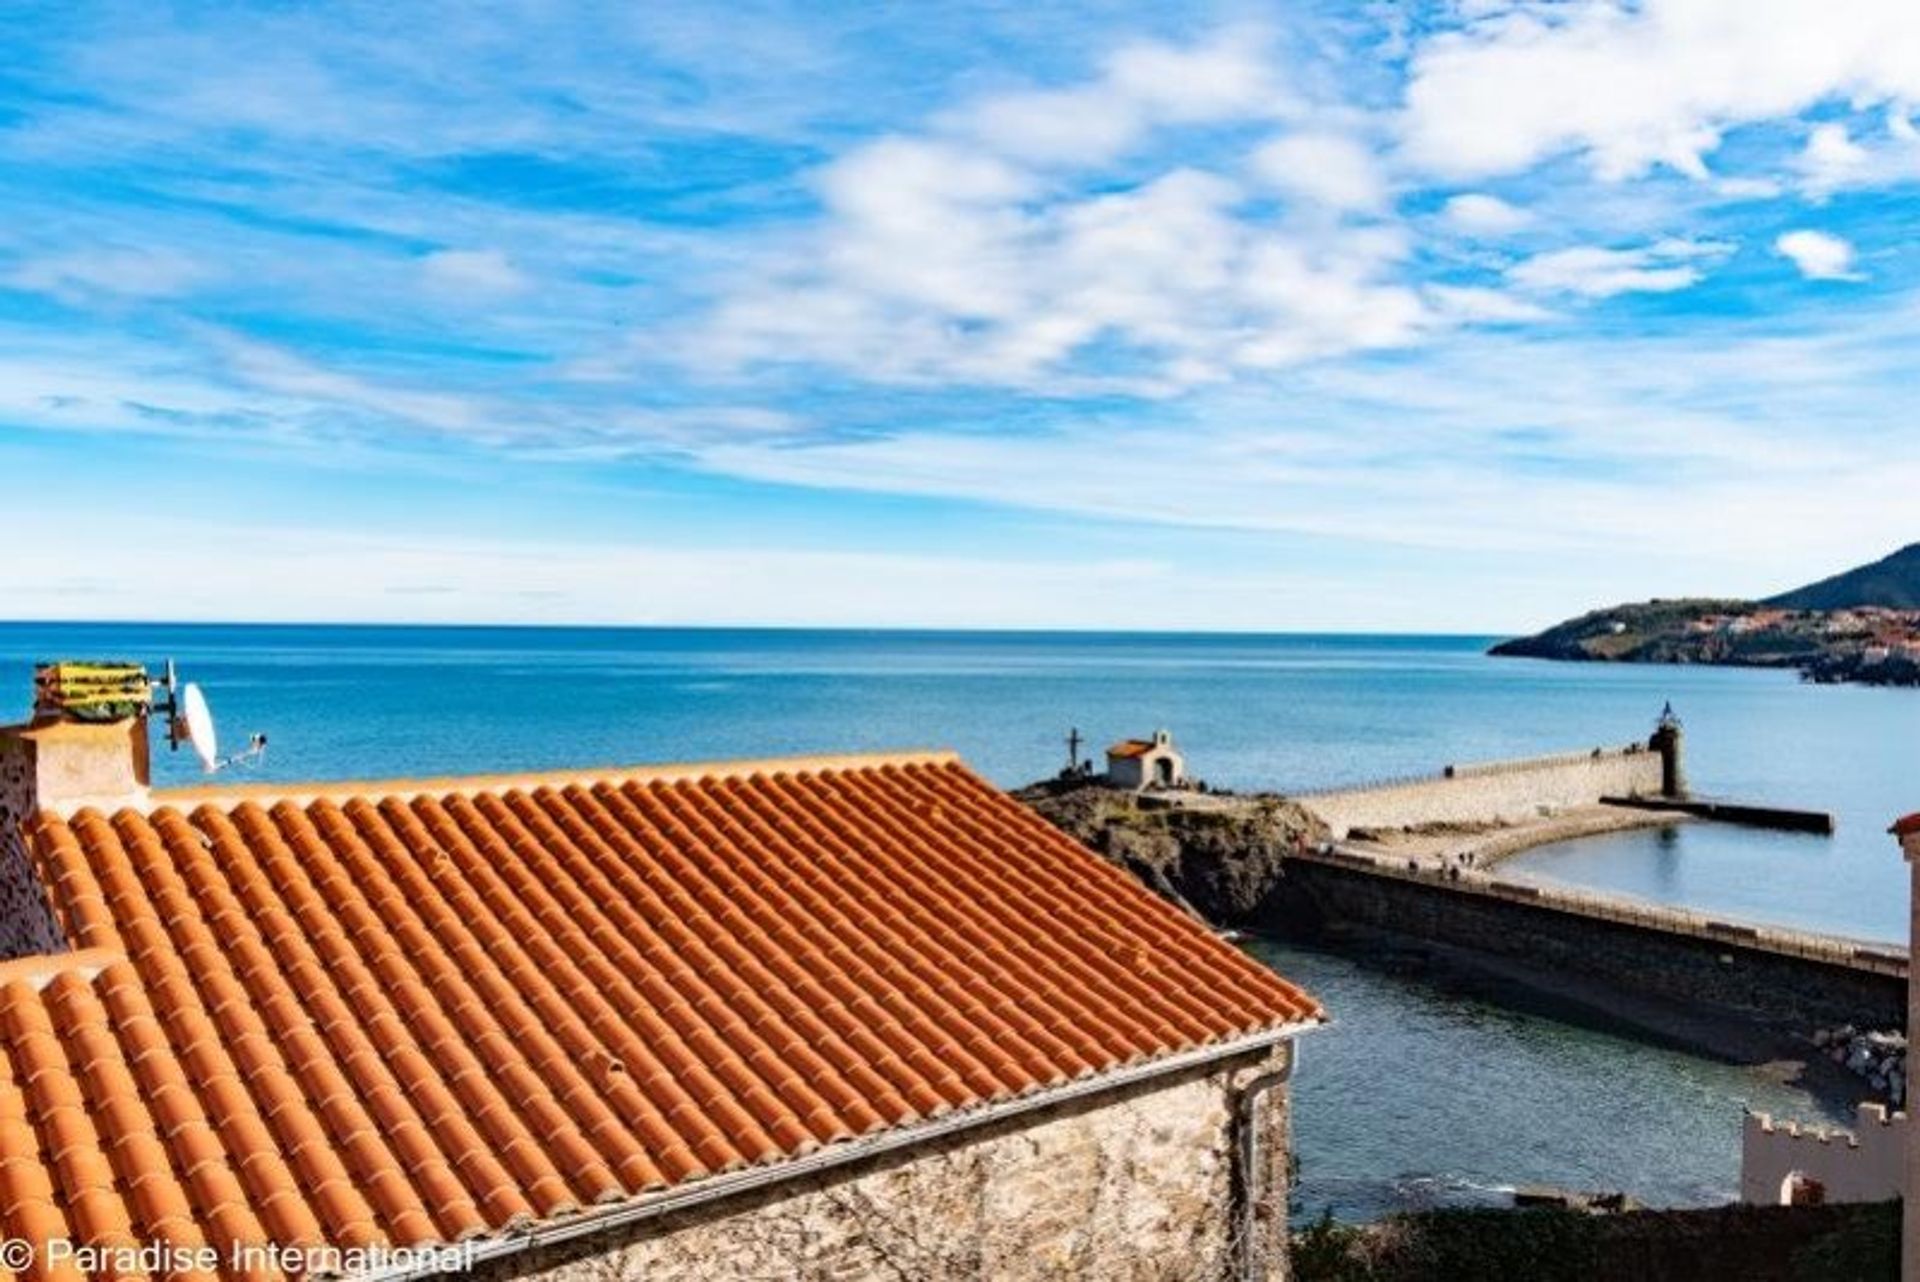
point(1879, 1056)
point(1496, 793)
point(1784, 980)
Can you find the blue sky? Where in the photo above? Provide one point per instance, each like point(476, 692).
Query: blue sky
point(1455, 317)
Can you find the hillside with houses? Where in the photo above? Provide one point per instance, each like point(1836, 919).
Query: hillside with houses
point(1859, 626)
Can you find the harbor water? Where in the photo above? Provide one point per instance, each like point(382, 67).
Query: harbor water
point(1422, 1092)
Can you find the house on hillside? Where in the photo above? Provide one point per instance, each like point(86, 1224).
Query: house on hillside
point(828, 1017)
point(1146, 763)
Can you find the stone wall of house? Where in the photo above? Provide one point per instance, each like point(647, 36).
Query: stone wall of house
point(1133, 1184)
point(1496, 792)
point(26, 922)
point(1864, 1165)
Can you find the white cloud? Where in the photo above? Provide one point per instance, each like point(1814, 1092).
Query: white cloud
point(1140, 87)
point(1594, 272)
point(1222, 78)
point(1818, 255)
point(1471, 304)
point(1522, 443)
point(1047, 126)
point(1659, 83)
point(212, 385)
point(1479, 214)
point(481, 271)
point(1831, 153)
point(1325, 169)
point(1834, 158)
point(1000, 247)
point(1167, 272)
point(83, 274)
point(1746, 188)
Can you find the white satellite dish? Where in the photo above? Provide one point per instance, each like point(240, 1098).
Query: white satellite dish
point(199, 726)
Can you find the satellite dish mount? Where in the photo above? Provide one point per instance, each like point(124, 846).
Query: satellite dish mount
point(190, 722)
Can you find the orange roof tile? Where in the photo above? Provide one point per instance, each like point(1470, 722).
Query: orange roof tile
point(414, 1014)
point(1132, 748)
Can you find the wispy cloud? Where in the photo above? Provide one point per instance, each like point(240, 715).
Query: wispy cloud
point(1470, 280)
point(84, 275)
point(483, 271)
point(1593, 271)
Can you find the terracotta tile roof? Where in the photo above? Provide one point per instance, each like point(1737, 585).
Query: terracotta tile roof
point(1906, 825)
point(1132, 748)
point(420, 1014)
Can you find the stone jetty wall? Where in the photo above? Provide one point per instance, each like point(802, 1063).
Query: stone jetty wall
point(1494, 792)
point(1789, 979)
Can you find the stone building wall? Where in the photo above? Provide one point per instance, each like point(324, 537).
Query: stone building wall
point(1132, 1185)
point(27, 926)
point(1506, 791)
point(1866, 1165)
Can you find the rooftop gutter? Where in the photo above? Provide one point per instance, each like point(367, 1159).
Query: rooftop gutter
point(668, 1201)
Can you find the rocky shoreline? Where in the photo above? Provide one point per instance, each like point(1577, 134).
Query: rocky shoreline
point(1878, 1056)
point(1218, 855)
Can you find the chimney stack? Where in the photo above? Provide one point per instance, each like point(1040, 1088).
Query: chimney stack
point(59, 763)
point(86, 745)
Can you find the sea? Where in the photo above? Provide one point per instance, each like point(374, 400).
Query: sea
point(1422, 1092)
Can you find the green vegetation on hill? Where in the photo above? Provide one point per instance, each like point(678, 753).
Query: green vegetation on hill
point(1861, 626)
point(1649, 632)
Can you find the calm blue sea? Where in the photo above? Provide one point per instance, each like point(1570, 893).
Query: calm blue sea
point(1388, 1117)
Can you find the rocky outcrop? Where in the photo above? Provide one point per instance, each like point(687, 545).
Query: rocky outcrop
point(1879, 1056)
point(1218, 855)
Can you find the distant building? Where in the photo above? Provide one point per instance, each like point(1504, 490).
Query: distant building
point(1146, 763)
point(808, 1018)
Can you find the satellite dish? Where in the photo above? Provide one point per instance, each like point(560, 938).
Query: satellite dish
point(199, 726)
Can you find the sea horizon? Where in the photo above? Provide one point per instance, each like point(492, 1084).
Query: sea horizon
point(849, 629)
